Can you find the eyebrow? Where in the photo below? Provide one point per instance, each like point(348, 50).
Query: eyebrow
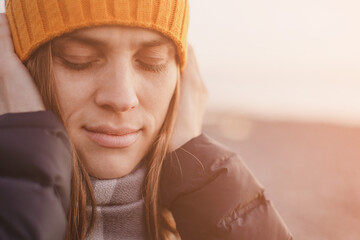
point(94, 41)
point(155, 43)
point(85, 40)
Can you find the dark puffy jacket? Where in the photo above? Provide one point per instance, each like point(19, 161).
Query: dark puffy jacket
point(211, 193)
point(35, 174)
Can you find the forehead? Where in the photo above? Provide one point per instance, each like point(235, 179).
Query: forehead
point(117, 36)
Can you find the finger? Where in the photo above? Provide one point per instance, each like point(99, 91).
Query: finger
point(191, 71)
point(6, 45)
point(191, 77)
point(192, 57)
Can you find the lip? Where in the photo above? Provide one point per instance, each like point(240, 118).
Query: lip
point(112, 138)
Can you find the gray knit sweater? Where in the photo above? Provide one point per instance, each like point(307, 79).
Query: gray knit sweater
point(120, 207)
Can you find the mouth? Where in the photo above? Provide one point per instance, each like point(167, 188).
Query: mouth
point(112, 138)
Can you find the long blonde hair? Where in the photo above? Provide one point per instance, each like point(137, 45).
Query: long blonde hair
point(158, 224)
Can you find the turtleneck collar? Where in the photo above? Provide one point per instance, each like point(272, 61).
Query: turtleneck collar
point(120, 207)
point(122, 190)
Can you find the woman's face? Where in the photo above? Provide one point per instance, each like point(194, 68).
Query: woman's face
point(114, 86)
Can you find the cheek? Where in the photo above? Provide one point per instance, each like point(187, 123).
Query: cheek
point(157, 95)
point(72, 91)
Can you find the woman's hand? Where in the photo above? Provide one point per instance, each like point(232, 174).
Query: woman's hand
point(193, 96)
point(18, 92)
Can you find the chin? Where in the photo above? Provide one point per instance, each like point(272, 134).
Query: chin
point(110, 166)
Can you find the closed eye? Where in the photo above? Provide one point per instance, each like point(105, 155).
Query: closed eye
point(151, 67)
point(77, 66)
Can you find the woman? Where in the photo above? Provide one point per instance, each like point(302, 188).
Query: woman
point(110, 71)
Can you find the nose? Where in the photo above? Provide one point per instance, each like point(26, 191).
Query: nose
point(117, 90)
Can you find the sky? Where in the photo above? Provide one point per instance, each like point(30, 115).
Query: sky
point(279, 59)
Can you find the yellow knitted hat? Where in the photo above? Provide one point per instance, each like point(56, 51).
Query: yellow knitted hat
point(34, 22)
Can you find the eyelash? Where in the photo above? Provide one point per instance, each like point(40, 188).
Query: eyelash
point(77, 66)
point(152, 68)
point(83, 66)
